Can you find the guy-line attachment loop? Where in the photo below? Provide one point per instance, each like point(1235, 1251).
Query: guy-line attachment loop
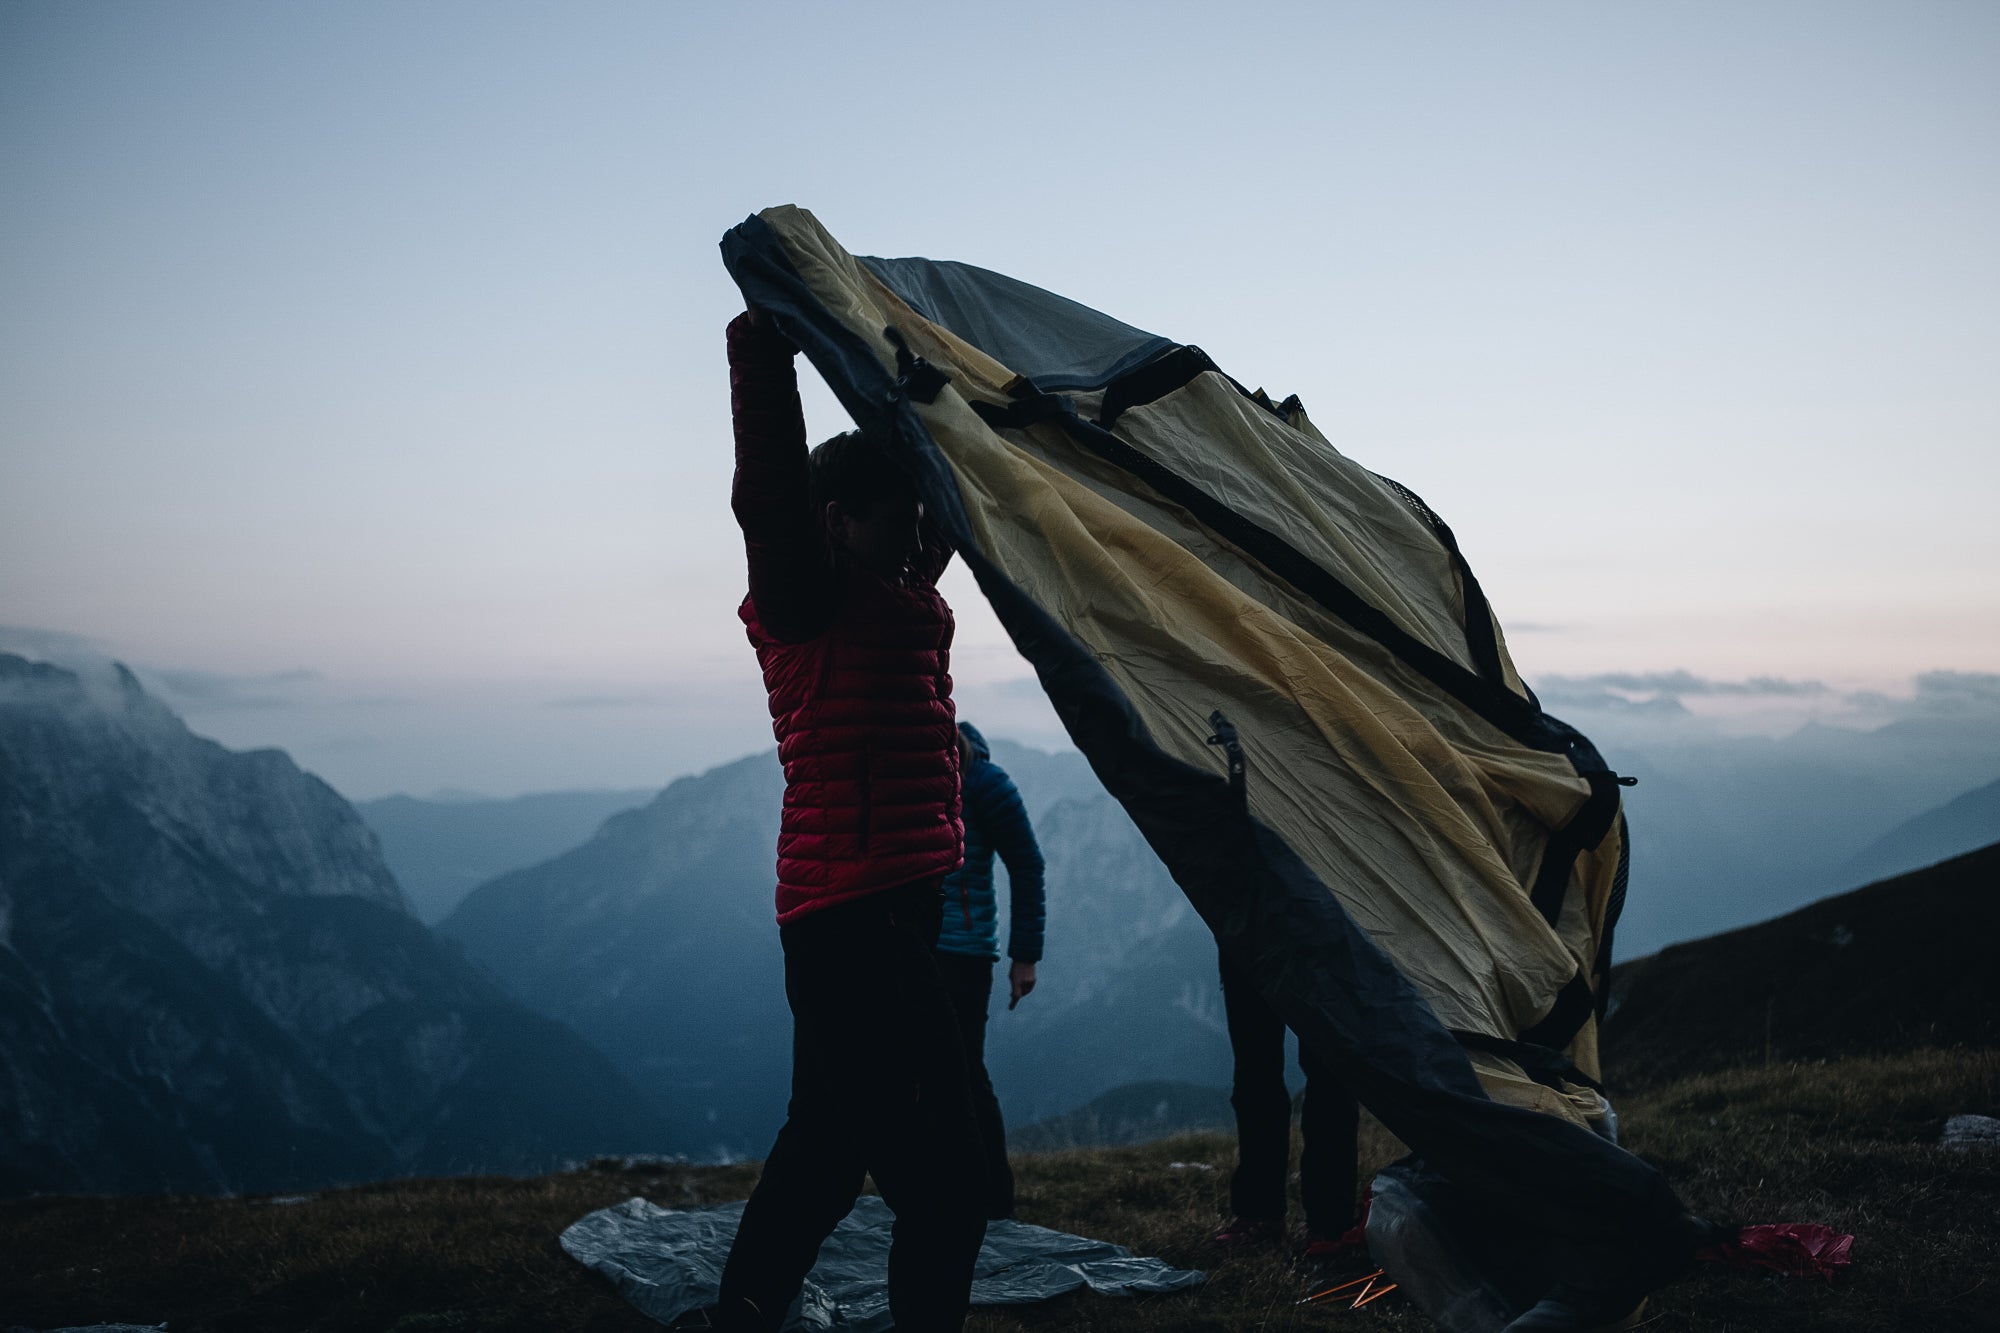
point(914, 376)
point(1232, 749)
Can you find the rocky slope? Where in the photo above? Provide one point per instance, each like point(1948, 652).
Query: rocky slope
point(210, 981)
point(656, 940)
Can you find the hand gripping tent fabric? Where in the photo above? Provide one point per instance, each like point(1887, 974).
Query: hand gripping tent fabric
point(1282, 666)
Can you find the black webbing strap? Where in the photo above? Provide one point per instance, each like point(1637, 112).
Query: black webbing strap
point(1500, 706)
point(1520, 719)
point(1178, 368)
point(1613, 910)
point(1585, 830)
point(1028, 410)
point(1480, 638)
point(914, 376)
point(1154, 380)
point(1549, 1068)
point(1572, 1009)
point(1232, 750)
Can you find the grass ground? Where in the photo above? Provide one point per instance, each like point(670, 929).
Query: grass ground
point(1852, 1144)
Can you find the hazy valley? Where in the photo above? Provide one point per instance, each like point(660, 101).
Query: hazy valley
point(209, 980)
point(210, 954)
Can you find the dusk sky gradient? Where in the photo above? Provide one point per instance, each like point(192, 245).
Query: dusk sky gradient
point(361, 371)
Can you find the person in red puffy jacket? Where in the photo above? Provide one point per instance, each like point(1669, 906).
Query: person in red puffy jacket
point(854, 641)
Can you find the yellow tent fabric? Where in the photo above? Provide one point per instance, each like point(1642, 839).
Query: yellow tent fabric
point(1427, 819)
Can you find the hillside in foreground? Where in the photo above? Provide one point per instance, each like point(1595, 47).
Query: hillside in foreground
point(1898, 965)
point(1852, 1143)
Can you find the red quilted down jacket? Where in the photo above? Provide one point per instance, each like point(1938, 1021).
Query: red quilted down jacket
point(858, 669)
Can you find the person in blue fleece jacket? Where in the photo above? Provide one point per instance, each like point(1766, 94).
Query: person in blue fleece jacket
point(969, 943)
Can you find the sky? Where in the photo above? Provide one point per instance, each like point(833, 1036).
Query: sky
point(362, 379)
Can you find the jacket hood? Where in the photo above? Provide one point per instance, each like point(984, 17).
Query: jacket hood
point(980, 749)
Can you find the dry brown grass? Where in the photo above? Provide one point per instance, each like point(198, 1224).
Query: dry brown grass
point(1850, 1143)
point(1853, 1144)
point(466, 1253)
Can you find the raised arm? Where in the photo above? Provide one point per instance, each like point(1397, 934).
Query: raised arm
point(791, 577)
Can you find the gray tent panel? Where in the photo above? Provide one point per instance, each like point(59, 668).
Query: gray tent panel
point(668, 1262)
point(1054, 342)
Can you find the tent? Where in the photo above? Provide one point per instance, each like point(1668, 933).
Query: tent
point(1282, 665)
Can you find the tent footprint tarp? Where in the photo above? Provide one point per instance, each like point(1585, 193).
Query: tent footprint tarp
point(1283, 667)
point(668, 1262)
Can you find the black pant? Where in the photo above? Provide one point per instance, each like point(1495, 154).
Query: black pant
point(969, 982)
point(878, 1086)
point(1328, 1121)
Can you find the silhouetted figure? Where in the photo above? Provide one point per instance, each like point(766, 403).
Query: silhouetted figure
point(854, 642)
point(995, 822)
point(1328, 1123)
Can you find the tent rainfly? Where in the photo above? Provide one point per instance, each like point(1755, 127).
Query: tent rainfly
point(1283, 667)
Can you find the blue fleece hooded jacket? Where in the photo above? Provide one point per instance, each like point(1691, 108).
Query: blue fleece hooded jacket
point(995, 821)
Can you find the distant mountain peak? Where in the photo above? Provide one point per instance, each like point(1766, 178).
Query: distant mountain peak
point(214, 981)
point(1961, 824)
point(99, 741)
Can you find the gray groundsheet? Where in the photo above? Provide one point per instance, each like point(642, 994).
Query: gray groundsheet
point(668, 1262)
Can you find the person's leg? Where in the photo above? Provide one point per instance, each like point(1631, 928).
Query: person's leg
point(925, 1151)
point(1263, 1106)
point(815, 1169)
point(969, 981)
point(1329, 1123)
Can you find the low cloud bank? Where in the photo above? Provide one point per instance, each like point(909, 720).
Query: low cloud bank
point(1773, 705)
point(373, 738)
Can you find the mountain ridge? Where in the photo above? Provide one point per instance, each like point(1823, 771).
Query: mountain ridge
point(1966, 821)
point(440, 850)
point(656, 940)
point(209, 980)
point(1892, 966)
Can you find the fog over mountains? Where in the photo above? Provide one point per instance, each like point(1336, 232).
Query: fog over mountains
point(1730, 830)
point(655, 938)
point(209, 980)
point(444, 847)
point(1972, 820)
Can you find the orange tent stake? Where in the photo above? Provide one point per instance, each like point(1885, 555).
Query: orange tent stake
point(1334, 1291)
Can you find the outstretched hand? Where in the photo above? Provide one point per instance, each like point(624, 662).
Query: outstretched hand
point(760, 321)
point(1020, 980)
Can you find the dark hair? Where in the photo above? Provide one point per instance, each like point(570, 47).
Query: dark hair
point(854, 471)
